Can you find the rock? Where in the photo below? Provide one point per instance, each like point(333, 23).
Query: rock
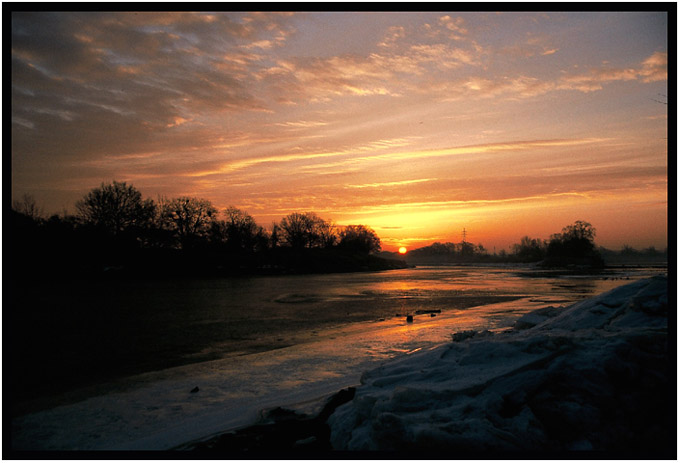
point(409, 318)
point(194, 390)
point(305, 442)
point(463, 335)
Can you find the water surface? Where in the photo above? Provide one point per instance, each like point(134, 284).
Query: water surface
point(121, 357)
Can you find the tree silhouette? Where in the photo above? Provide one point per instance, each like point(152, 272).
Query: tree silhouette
point(326, 231)
point(28, 206)
point(189, 218)
point(241, 231)
point(115, 208)
point(575, 245)
point(118, 232)
point(529, 250)
point(302, 230)
point(359, 238)
point(579, 231)
point(275, 236)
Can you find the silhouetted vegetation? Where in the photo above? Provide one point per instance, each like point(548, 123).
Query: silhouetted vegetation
point(629, 256)
point(448, 253)
point(116, 209)
point(574, 247)
point(530, 250)
point(117, 231)
point(359, 239)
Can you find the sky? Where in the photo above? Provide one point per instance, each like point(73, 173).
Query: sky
point(418, 125)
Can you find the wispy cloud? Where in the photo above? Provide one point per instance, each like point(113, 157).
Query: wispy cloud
point(301, 124)
point(388, 184)
point(524, 86)
point(354, 155)
point(397, 65)
point(375, 116)
point(156, 69)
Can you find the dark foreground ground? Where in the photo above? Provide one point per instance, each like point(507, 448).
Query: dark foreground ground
point(280, 430)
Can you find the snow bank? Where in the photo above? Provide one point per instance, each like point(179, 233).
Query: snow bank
point(591, 376)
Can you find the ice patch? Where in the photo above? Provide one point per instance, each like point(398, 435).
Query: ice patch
point(591, 376)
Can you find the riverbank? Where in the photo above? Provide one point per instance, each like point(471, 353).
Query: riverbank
point(592, 379)
point(162, 409)
point(158, 410)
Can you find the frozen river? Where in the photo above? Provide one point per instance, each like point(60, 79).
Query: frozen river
point(262, 342)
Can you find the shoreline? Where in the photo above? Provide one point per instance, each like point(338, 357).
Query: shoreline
point(315, 370)
point(99, 386)
point(161, 412)
point(286, 430)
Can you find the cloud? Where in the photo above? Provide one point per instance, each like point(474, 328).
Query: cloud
point(391, 184)
point(393, 35)
point(654, 68)
point(375, 152)
point(650, 70)
point(301, 124)
point(525, 86)
point(91, 89)
point(455, 25)
point(534, 45)
point(156, 67)
point(209, 98)
point(399, 64)
point(391, 73)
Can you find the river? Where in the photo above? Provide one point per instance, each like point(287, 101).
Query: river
point(112, 365)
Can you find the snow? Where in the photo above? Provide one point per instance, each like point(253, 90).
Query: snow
point(157, 411)
point(591, 376)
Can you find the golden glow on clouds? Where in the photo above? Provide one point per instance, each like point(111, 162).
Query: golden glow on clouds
point(409, 155)
point(403, 182)
point(416, 124)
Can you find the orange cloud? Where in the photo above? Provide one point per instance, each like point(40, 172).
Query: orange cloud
point(239, 164)
point(384, 184)
point(654, 68)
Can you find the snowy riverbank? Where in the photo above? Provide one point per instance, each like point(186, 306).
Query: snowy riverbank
point(488, 392)
point(594, 376)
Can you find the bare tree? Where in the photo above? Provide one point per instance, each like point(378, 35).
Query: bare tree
point(242, 231)
point(275, 236)
point(580, 230)
point(327, 234)
point(189, 218)
point(306, 230)
point(28, 206)
point(115, 207)
point(297, 230)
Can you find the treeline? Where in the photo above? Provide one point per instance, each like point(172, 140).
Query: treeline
point(574, 246)
point(630, 256)
point(115, 229)
point(440, 253)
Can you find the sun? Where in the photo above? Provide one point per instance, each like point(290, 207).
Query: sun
point(402, 250)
